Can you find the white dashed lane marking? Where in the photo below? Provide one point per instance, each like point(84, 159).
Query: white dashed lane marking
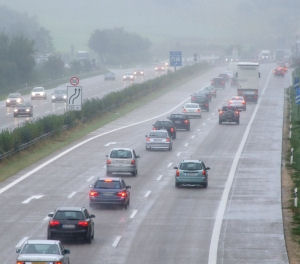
point(117, 241)
point(178, 154)
point(71, 195)
point(90, 179)
point(159, 177)
point(133, 214)
point(186, 144)
point(147, 194)
point(170, 164)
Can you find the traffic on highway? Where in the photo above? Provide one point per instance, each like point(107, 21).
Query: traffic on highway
point(186, 168)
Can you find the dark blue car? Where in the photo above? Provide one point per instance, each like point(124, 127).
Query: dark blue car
point(110, 191)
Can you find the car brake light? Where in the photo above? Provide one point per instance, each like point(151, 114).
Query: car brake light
point(221, 112)
point(83, 223)
point(20, 262)
point(108, 180)
point(184, 110)
point(206, 105)
point(147, 139)
point(177, 173)
point(153, 128)
point(108, 161)
point(198, 110)
point(53, 223)
point(122, 194)
point(186, 121)
point(172, 129)
point(203, 172)
point(237, 112)
point(93, 193)
point(243, 102)
point(132, 162)
point(58, 262)
point(167, 139)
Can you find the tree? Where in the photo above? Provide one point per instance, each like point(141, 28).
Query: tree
point(115, 46)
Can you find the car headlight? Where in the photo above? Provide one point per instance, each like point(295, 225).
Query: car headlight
point(27, 110)
point(8, 101)
point(32, 94)
point(65, 97)
point(135, 72)
point(15, 110)
point(53, 97)
point(142, 72)
point(19, 100)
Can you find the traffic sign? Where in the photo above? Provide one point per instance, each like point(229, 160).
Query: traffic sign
point(74, 81)
point(74, 100)
point(175, 58)
point(298, 95)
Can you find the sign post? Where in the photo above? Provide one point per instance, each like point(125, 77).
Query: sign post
point(74, 93)
point(175, 59)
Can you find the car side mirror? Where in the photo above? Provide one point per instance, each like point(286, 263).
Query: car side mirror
point(207, 168)
point(18, 250)
point(128, 187)
point(146, 135)
point(67, 251)
point(176, 168)
point(106, 156)
point(91, 186)
point(51, 214)
point(92, 216)
point(137, 156)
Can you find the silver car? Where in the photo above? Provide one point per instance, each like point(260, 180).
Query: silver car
point(38, 93)
point(121, 160)
point(192, 110)
point(158, 139)
point(42, 251)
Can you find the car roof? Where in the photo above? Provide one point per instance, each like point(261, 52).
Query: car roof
point(41, 241)
point(105, 178)
point(14, 94)
point(121, 149)
point(159, 130)
point(70, 208)
point(196, 161)
point(38, 87)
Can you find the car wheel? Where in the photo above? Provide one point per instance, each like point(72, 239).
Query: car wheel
point(188, 128)
point(170, 148)
point(238, 122)
point(174, 136)
point(134, 173)
point(205, 185)
point(220, 122)
point(49, 236)
point(89, 238)
point(177, 185)
point(93, 235)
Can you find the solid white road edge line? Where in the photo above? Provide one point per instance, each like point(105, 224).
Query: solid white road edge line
point(147, 194)
point(46, 163)
point(117, 241)
point(36, 197)
point(170, 164)
point(214, 243)
point(133, 213)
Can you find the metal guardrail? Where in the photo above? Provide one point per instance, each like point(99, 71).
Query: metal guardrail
point(25, 146)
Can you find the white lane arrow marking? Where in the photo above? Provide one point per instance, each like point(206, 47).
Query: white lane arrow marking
point(110, 143)
point(36, 197)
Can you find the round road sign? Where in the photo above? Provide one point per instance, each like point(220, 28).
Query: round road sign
point(74, 81)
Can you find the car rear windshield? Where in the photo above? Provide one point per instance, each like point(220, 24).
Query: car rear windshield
point(191, 106)
point(158, 134)
point(163, 123)
point(69, 215)
point(228, 108)
point(190, 166)
point(39, 89)
point(60, 92)
point(40, 249)
point(102, 184)
point(14, 95)
point(121, 154)
point(178, 116)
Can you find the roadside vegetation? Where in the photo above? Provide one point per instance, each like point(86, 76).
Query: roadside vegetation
point(295, 145)
point(94, 111)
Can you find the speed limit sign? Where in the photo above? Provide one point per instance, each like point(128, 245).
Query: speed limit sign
point(74, 81)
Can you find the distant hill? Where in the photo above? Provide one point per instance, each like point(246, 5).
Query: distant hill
point(262, 23)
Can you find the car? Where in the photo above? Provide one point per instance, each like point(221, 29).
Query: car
point(192, 110)
point(211, 90)
point(180, 121)
point(160, 68)
point(279, 71)
point(138, 73)
point(128, 77)
point(13, 99)
point(191, 172)
point(167, 125)
point(229, 114)
point(122, 160)
point(158, 139)
point(239, 102)
point(224, 76)
point(109, 76)
point(38, 93)
point(41, 251)
point(201, 99)
point(59, 96)
point(71, 222)
point(23, 109)
point(110, 191)
point(218, 82)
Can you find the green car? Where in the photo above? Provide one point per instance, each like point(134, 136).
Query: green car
point(191, 172)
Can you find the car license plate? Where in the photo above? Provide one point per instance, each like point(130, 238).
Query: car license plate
point(107, 194)
point(68, 226)
point(26, 262)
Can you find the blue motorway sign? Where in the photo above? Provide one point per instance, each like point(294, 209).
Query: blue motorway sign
point(298, 95)
point(175, 58)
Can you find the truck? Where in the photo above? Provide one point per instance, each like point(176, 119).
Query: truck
point(248, 76)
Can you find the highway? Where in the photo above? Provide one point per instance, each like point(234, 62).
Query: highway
point(92, 87)
point(237, 219)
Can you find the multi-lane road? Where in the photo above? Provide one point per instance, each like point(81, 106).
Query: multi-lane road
point(92, 87)
point(237, 219)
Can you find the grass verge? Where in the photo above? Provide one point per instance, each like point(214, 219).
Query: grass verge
point(49, 146)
